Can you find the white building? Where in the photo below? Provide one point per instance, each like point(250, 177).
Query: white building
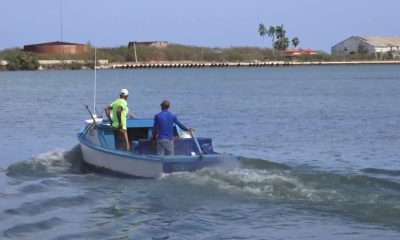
point(368, 45)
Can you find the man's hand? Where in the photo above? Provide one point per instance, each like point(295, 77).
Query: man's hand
point(191, 129)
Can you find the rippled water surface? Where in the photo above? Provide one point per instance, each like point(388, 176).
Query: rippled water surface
point(319, 145)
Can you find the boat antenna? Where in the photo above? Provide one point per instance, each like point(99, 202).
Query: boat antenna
point(95, 80)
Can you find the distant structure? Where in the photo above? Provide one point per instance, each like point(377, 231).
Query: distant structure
point(3, 62)
point(58, 48)
point(300, 52)
point(158, 44)
point(368, 45)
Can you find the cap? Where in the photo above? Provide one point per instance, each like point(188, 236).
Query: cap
point(124, 92)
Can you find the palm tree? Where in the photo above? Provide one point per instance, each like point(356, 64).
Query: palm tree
point(282, 44)
point(295, 41)
point(280, 32)
point(271, 33)
point(282, 41)
point(262, 31)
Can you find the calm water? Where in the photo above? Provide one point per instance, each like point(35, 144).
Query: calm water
point(320, 147)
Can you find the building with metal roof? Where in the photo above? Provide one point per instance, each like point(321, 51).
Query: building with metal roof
point(377, 45)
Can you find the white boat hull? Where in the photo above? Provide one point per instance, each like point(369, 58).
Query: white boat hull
point(122, 164)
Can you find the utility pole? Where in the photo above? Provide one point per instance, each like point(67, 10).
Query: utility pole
point(134, 49)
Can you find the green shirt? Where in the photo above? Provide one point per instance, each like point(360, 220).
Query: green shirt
point(119, 103)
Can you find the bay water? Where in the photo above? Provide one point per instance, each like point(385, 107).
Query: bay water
point(319, 147)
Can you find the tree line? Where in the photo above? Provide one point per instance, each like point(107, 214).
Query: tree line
point(20, 60)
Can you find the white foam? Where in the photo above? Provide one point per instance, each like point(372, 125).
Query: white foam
point(274, 185)
point(49, 162)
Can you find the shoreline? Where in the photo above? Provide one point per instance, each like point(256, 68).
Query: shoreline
point(238, 64)
point(46, 65)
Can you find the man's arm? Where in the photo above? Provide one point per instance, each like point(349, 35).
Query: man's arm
point(107, 111)
point(177, 122)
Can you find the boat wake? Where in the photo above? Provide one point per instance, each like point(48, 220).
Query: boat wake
point(360, 196)
point(52, 163)
point(365, 196)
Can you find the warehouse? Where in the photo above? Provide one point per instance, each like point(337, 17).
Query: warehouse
point(368, 45)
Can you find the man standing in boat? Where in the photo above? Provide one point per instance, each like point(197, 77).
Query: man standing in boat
point(163, 129)
point(120, 110)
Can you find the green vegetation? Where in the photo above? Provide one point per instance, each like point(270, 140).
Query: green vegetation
point(20, 60)
point(171, 53)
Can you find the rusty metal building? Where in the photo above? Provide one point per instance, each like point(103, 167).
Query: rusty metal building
point(58, 48)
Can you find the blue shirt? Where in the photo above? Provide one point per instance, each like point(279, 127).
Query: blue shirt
point(163, 124)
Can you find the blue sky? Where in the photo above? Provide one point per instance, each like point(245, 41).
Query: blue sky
point(318, 24)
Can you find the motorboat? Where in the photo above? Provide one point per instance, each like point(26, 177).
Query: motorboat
point(97, 143)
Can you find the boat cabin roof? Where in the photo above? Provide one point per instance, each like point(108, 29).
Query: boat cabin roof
point(136, 122)
point(139, 123)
